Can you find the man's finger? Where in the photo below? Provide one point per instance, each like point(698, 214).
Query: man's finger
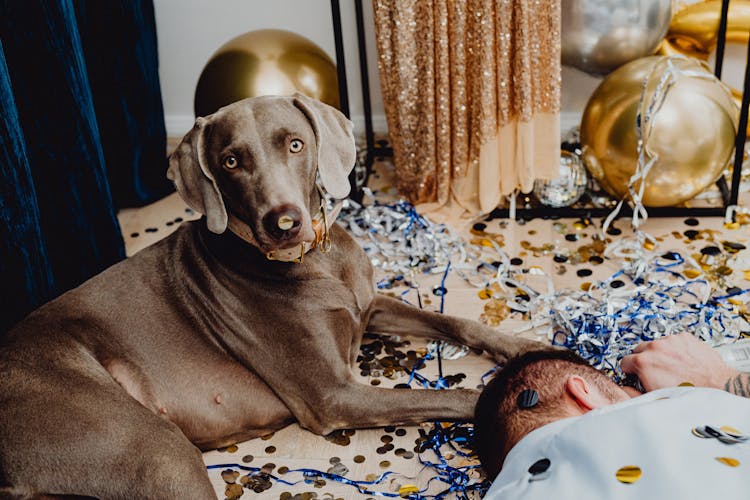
point(628, 363)
point(643, 346)
point(632, 391)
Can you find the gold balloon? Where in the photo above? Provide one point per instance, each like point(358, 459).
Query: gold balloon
point(692, 133)
point(266, 62)
point(694, 30)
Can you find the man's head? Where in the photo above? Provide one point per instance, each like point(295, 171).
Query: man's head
point(566, 384)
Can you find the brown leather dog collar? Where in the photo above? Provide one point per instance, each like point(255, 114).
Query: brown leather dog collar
point(321, 224)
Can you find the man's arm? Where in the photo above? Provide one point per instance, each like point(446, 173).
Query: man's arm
point(739, 385)
point(676, 359)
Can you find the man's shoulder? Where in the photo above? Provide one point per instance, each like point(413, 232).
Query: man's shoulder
point(657, 433)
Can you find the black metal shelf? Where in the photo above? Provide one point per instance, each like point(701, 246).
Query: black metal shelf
point(730, 194)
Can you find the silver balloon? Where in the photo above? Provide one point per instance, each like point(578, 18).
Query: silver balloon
point(600, 35)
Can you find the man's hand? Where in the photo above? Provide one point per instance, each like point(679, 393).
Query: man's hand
point(672, 360)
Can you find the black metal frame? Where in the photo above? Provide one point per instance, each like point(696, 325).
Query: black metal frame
point(730, 195)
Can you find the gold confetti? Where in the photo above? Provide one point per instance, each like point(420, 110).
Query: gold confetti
point(746, 272)
point(407, 489)
point(495, 311)
point(691, 273)
point(229, 476)
point(233, 491)
point(629, 474)
point(686, 384)
point(730, 430)
point(723, 270)
point(648, 245)
point(731, 462)
point(585, 286)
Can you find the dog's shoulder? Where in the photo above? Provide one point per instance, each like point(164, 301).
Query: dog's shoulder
point(121, 288)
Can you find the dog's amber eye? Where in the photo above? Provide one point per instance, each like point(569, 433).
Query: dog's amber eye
point(230, 162)
point(296, 145)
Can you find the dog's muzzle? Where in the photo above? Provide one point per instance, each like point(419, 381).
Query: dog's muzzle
point(321, 224)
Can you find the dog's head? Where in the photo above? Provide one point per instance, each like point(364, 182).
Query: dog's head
point(256, 160)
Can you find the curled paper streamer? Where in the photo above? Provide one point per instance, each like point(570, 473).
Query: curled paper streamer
point(401, 241)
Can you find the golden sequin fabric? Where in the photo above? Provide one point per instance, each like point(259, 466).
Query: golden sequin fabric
point(453, 74)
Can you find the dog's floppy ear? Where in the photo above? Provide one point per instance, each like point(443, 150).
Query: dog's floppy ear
point(336, 150)
point(193, 180)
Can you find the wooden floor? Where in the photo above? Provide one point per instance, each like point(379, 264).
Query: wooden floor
point(363, 455)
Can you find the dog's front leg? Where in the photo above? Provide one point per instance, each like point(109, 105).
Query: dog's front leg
point(355, 405)
point(314, 380)
point(394, 317)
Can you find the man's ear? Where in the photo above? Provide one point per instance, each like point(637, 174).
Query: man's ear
point(580, 392)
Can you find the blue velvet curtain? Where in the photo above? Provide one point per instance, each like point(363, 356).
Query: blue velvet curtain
point(81, 135)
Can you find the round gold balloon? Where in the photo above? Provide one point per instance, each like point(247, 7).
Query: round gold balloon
point(692, 133)
point(266, 62)
point(694, 30)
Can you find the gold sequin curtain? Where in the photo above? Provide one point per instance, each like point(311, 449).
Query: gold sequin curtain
point(472, 96)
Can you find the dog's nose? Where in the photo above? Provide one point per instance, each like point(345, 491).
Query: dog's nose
point(283, 222)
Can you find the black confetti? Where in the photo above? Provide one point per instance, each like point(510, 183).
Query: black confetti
point(479, 226)
point(539, 466)
point(515, 261)
point(691, 222)
point(671, 256)
point(133, 235)
point(584, 272)
point(614, 231)
point(596, 259)
point(571, 237)
point(691, 234)
point(560, 258)
point(616, 283)
point(439, 291)
point(732, 246)
point(711, 250)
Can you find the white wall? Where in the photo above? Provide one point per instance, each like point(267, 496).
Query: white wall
point(189, 31)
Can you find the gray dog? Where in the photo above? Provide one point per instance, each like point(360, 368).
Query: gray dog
point(211, 337)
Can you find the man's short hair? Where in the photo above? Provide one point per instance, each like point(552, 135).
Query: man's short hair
point(499, 423)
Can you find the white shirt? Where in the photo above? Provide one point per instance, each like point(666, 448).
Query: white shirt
point(652, 432)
